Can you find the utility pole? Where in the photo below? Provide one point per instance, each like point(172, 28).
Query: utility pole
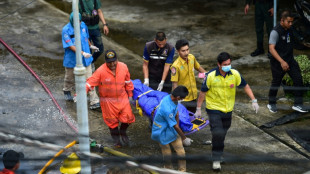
point(81, 104)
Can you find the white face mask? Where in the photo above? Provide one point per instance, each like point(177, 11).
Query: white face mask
point(179, 101)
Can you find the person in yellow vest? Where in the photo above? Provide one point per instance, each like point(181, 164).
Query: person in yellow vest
point(219, 90)
point(71, 165)
point(182, 73)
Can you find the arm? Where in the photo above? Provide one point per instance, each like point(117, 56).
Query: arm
point(275, 54)
point(128, 84)
point(73, 48)
point(201, 98)
point(201, 70)
point(165, 73)
point(146, 69)
point(177, 128)
point(105, 27)
point(249, 92)
point(174, 85)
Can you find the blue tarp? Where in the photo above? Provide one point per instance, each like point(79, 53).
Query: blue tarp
point(150, 98)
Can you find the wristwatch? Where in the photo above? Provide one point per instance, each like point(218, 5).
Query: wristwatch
point(106, 24)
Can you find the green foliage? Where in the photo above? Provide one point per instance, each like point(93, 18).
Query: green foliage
point(304, 64)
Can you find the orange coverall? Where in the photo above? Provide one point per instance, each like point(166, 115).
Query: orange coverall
point(114, 92)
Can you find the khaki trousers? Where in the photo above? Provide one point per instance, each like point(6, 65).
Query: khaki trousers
point(179, 149)
point(69, 83)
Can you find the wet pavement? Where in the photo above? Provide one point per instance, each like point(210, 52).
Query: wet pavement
point(211, 27)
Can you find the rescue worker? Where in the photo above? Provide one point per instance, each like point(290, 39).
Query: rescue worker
point(219, 90)
point(71, 165)
point(11, 161)
point(263, 14)
point(158, 56)
point(166, 128)
point(91, 15)
point(182, 73)
point(69, 62)
point(282, 61)
point(115, 90)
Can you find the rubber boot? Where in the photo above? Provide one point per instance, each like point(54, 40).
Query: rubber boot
point(124, 136)
point(68, 96)
point(115, 136)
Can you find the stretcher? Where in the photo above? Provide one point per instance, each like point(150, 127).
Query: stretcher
point(147, 101)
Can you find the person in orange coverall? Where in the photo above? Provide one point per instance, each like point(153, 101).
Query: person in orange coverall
point(115, 91)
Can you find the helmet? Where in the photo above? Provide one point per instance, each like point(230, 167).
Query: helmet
point(71, 165)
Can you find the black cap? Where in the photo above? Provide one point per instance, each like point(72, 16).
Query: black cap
point(110, 56)
point(160, 36)
point(11, 158)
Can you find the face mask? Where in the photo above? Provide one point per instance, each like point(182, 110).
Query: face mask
point(179, 101)
point(226, 68)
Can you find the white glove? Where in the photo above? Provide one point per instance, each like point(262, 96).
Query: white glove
point(86, 55)
point(161, 85)
point(131, 101)
point(146, 82)
point(187, 141)
point(255, 105)
point(96, 49)
point(198, 112)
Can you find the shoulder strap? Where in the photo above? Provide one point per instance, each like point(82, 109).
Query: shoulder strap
point(82, 5)
point(95, 4)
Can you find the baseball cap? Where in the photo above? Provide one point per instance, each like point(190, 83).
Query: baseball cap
point(110, 56)
point(11, 158)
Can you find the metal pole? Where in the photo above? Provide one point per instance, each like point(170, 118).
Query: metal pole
point(274, 13)
point(81, 104)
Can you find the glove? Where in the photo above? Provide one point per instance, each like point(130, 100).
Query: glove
point(131, 101)
point(255, 105)
point(161, 85)
point(74, 98)
point(198, 112)
point(146, 82)
point(187, 141)
point(96, 49)
point(86, 55)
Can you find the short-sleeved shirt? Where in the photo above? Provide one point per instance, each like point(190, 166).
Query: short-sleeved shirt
point(164, 120)
point(89, 7)
point(68, 40)
point(221, 91)
point(182, 72)
point(7, 171)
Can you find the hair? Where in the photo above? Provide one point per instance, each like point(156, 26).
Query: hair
point(223, 56)
point(160, 36)
point(181, 43)
point(287, 13)
point(180, 91)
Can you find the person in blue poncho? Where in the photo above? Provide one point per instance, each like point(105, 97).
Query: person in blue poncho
point(166, 128)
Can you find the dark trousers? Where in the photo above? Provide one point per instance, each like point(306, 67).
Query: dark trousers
point(167, 85)
point(95, 37)
point(219, 124)
point(190, 105)
point(262, 16)
point(278, 74)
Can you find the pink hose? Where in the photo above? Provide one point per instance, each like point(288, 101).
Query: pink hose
point(42, 83)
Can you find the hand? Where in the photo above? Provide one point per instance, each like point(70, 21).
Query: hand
point(270, 11)
point(187, 141)
point(74, 98)
point(246, 9)
point(105, 30)
point(86, 55)
point(255, 106)
point(96, 49)
point(161, 85)
point(285, 66)
point(198, 112)
point(146, 82)
point(131, 101)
